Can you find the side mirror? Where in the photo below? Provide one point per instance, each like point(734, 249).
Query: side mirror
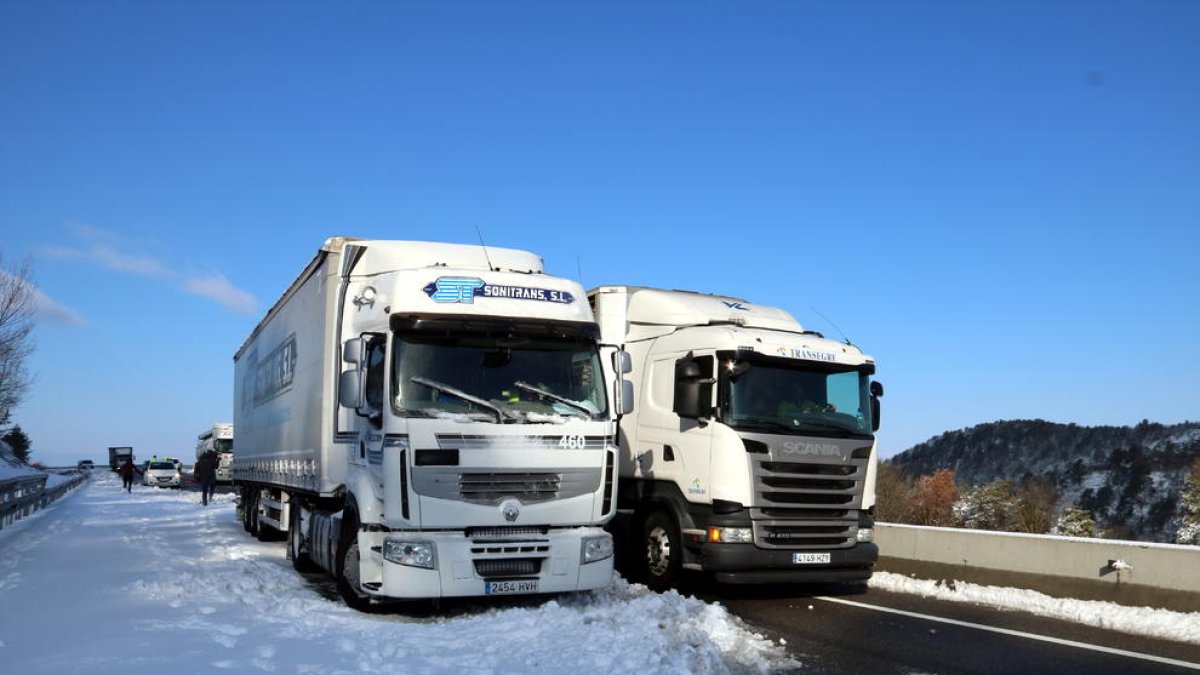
point(693, 391)
point(876, 393)
point(624, 396)
point(622, 363)
point(350, 389)
point(353, 350)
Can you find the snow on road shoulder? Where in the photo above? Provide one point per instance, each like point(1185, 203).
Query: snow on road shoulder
point(169, 572)
point(1150, 622)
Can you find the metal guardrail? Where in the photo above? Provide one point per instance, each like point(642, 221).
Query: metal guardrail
point(24, 495)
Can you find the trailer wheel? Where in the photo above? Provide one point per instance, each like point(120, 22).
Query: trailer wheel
point(297, 551)
point(243, 508)
point(348, 581)
point(248, 509)
point(662, 550)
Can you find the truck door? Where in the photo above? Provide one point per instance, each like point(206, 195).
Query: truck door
point(687, 442)
point(370, 439)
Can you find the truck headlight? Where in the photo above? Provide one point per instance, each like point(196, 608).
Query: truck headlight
point(410, 553)
point(596, 548)
point(730, 535)
point(866, 535)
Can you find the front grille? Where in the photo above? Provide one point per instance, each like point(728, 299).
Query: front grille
point(492, 486)
point(805, 535)
point(806, 505)
point(808, 483)
point(806, 498)
point(508, 567)
point(489, 534)
point(527, 487)
point(812, 469)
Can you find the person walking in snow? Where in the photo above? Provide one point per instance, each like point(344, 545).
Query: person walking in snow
point(205, 472)
point(127, 470)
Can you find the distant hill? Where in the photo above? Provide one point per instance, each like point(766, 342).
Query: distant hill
point(1128, 477)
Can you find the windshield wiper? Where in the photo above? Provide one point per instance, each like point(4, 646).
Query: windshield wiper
point(553, 397)
point(501, 416)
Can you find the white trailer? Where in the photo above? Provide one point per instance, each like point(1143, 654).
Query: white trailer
point(426, 420)
point(117, 456)
point(218, 439)
point(751, 454)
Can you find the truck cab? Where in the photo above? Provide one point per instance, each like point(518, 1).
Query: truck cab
point(430, 420)
point(751, 451)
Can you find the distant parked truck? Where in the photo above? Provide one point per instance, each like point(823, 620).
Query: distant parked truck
point(218, 439)
point(428, 420)
point(751, 454)
point(86, 465)
point(118, 455)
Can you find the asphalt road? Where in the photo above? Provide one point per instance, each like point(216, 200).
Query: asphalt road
point(836, 629)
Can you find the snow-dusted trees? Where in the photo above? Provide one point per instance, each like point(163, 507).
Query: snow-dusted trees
point(1075, 522)
point(18, 443)
point(987, 507)
point(934, 499)
point(1001, 507)
point(1189, 507)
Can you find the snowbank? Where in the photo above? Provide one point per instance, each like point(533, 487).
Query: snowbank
point(1157, 623)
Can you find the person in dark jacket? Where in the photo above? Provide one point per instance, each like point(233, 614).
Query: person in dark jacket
point(127, 470)
point(206, 475)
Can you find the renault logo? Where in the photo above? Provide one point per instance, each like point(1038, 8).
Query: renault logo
point(511, 510)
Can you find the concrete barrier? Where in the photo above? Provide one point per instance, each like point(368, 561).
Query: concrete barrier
point(1127, 572)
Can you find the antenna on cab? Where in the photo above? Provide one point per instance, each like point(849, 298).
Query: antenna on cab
point(831, 323)
point(485, 253)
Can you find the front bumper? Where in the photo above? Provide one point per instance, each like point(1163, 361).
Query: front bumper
point(748, 564)
point(456, 573)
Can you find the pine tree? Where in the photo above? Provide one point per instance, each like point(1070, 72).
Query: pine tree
point(19, 442)
point(987, 507)
point(1075, 522)
point(1189, 505)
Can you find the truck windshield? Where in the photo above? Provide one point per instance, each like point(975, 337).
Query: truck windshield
point(528, 379)
point(223, 445)
point(795, 398)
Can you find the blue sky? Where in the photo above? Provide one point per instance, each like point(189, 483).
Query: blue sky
point(998, 201)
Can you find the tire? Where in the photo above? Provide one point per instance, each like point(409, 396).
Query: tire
point(255, 525)
point(297, 552)
point(347, 566)
point(247, 507)
point(264, 531)
point(662, 552)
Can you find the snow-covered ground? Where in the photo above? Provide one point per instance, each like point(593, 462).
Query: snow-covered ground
point(110, 582)
point(1150, 622)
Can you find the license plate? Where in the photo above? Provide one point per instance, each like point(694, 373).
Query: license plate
point(810, 558)
point(510, 587)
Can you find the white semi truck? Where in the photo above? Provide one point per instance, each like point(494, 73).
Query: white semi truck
point(427, 420)
point(218, 439)
point(751, 452)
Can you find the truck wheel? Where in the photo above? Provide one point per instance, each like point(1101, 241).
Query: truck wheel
point(663, 551)
point(247, 508)
point(348, 581)
point(297, 552)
